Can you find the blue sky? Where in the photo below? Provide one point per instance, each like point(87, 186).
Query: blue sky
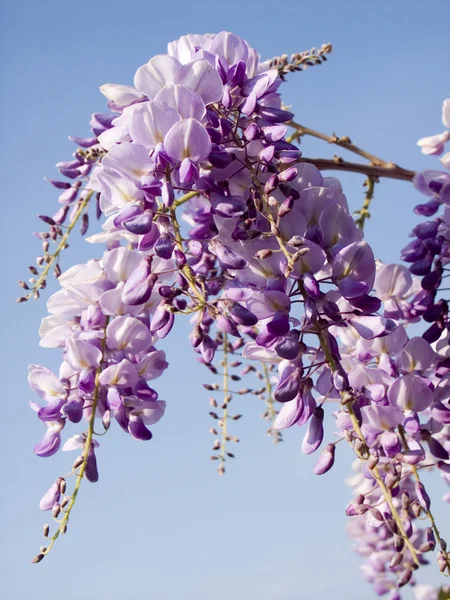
point(160, 523)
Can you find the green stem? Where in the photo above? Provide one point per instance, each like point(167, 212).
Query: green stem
point(364, 211)
point(428, 512)
point(185, 198)
point(87, 447)
point(61, 244)
point(223, 440)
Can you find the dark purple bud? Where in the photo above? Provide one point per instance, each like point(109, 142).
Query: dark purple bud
point(164, 247)
point(46, 219)
point(288, 174)
point(84, 224)
point(226, 126)
point(168, 292)
point(426, 230)
point(429, 536)
point(138, 430)
point(253, 132)
point(289, 347)
point(274, 115)
point(367, 304)
point(326, 460)
point(61, 185)
point(196, 336)
point(212, 115)
point(433, 333)
point(220, 160)
point(68, 195)
point(139, 286)
point(237, 73)
point(167, 194)
point(437, 449)
point(70, 173)
point(428, 209)
point(242, 316)
point(180, 258)
point(74, 410)
point(422, 496)
point(149, 239)
point(286, 208)
point(227, 324)
point(434, 245)
point(271, 184)
point(414, 251)
point(180, 303)
point(289, 387)
point(312, 288)
point(207, 349)
point(266, 155)
point(279, 325)
point(405, 578)
point(160, 318)
point(139, 224)
point(314, 435)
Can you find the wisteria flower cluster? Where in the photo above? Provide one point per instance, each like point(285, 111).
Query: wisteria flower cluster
point(210, 210)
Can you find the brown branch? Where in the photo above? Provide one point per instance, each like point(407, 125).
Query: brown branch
point(390, 171)
point(343, 142)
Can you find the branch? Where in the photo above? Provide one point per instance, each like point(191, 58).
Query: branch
point(343, 142)
point(390, 171)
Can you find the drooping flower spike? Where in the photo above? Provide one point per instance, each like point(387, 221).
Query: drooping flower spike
point(208, 210)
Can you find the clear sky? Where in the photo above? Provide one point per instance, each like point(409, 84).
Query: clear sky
point(161, 524)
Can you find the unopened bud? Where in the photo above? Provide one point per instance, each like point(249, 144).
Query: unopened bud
point(274, 230)
point(38, 558)
point(46, 529)
point(77, 463)
point(405, 501)
point(396, 560)
point(416, 509)
point(271, 184)
point(405, 578)
point(399, 542)
point(376, 514)
point(391, 480)
point(373, 461)
point(262, 254)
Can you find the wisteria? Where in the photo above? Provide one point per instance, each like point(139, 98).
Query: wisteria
point(210, 210)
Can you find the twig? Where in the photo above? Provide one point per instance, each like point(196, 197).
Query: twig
point(339, 164)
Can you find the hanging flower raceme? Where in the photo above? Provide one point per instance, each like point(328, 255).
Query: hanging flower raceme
point(209, 212)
